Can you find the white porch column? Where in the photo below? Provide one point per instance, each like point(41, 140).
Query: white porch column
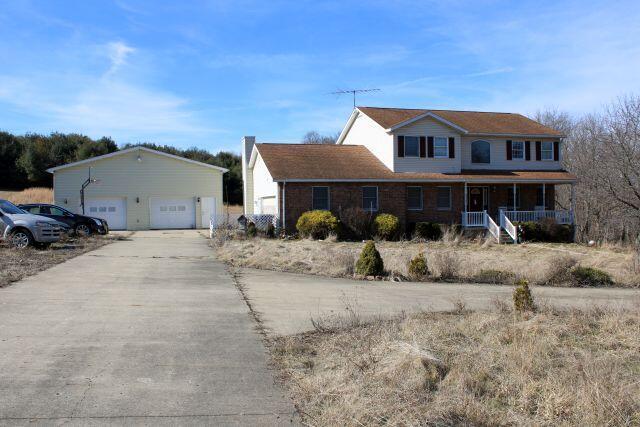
point(465, 197)
point(544, 197)
point(515, 202)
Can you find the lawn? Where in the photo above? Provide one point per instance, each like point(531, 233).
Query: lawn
point(30, 195)
point(467, 368)
point(457, 260)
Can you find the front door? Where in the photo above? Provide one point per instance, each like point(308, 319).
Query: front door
point(476, 199)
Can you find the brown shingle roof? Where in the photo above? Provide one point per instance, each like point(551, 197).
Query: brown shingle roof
point(474, 122)
point(319, 162)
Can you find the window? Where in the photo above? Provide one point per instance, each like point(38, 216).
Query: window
point(411, 146)
point(540, 197)
point(510, 198)
point(33, 209)
point(320, 198)
point(56, 211)
point(112, 209)
point(102, 209)
point(440, 147)
point(546, 152)
point(370, 198)
point(414, 195)
point(444, 198)
point(93, 209)
point(517, 150)
point(480, 152)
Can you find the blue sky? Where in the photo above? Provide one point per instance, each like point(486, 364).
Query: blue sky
point(205, 73)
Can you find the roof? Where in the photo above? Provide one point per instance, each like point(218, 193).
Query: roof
point(129, 150)
point(328, 162)
point(471, 122)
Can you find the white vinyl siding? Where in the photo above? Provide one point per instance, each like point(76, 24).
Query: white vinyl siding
point(365, 131)
point(499, 155)
point(263, 185)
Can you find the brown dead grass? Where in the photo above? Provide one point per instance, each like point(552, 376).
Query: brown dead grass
point(469, 259)
point(469, 368)
point(16, 264)
point(30, 195)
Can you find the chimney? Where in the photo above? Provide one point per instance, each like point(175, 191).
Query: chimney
point(247, 176)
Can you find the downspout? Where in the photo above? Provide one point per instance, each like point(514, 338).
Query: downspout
point(284, 226)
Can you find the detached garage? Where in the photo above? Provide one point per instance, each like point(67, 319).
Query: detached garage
point(139, 189)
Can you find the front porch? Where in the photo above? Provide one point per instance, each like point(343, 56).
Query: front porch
point(496, 207)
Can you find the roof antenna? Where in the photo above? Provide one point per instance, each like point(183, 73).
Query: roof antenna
point(353, 91)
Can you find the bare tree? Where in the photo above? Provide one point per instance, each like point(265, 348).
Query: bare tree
point(314, 137)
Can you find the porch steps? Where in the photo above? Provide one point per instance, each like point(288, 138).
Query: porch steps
point(504, 237)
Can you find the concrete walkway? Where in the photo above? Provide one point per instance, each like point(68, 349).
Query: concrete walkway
point(287, 302)
point(149, 331)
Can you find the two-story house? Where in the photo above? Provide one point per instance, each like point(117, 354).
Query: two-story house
point(478, 169)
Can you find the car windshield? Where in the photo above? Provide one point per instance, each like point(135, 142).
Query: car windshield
point(10, 208)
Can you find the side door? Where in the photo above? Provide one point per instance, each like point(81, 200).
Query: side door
point(60, 215)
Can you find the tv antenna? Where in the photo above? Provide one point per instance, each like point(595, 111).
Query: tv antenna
point(353, 92)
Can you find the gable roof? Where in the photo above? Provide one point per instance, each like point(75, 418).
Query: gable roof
point(470, 122)
point(329, 162)
point(129, 150)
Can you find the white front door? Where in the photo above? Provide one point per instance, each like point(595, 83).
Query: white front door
point(207, 209)
point(172, 213)
point(113, 210)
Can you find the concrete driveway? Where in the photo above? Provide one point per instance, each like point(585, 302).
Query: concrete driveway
point(146, 331)
point(287, 302)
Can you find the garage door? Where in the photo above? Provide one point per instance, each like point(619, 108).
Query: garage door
point(112, 210)
point(172, 213)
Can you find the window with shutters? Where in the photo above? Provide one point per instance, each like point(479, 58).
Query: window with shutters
point(517, 150)
point(444, 198)
point(370, 198)
point(480, 152)
point(320, 198)
point(411, 146)
point(546, 150)
point(440, 147)
point(414, 198)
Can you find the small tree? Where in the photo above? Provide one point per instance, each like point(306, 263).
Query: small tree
point(252, 231)
point(522, 298)
point(387, 226)
point(370, 262)
point(418, 266)
point(317, 224)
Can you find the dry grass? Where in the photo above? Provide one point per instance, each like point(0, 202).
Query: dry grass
point(534, 262)
point(30, 195)
point(17, 264)
point(469, 368)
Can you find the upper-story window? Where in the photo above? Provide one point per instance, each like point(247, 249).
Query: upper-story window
point(546, 150)
point(411, 146)
point(440, 147)
point(517, 150)
point(480, 152)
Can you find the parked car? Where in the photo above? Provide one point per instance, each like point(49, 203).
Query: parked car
point(80, 224)
point(22, 229)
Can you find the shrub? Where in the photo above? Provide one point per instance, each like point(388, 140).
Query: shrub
point(418, 266)
point(252, 231)
point(355, 224)
point(428, 230)
point(446, 264)
point(270, 232)
point(387, 226)
point(370, 262)
point(494, 277)
point(545, 230)
point(522, 298)
point(559, 270)
point(589, 276)
point(317, 224)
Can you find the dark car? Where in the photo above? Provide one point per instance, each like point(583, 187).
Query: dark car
point(80, 224)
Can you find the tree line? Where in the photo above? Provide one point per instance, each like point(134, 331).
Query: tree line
point(24, 159)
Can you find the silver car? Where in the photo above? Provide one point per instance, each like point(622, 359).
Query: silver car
point(22, 229)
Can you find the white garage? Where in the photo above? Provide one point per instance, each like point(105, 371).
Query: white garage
point(140, 188)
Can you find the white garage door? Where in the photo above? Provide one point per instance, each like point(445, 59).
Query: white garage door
point(172, 213)
point(112, 210)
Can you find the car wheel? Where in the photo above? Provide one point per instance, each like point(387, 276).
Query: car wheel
point(83, 230)
point(21, 239)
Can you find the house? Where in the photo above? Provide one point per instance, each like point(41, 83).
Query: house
point(478, 169)
point(139, 188)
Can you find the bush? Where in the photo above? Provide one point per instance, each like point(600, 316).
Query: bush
point(522, 298)
point(355, 224)
point(387, 226)
point(545, 230)
point(589, 276)
point(446, 264)
point(252, 231)
point(559, 270)
point(494, 277)
point(317, 224)
point(370, 262)
point(428, 230)
point(418, 266)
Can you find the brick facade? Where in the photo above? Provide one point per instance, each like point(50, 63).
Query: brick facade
point(392, 198)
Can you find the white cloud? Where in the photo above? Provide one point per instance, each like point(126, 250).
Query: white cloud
point(118, 53)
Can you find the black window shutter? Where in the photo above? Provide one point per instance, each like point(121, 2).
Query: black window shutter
point(556, 151)
point(430, 146)
point(400, 146)
point(538, 150)
point(452, 148)
point(423, 146)
point(509, 152)
point(527, 150)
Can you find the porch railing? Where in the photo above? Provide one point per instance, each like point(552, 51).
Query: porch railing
point(473, 219)
point(492, 226)
point(508, 227)
point(561, 217)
